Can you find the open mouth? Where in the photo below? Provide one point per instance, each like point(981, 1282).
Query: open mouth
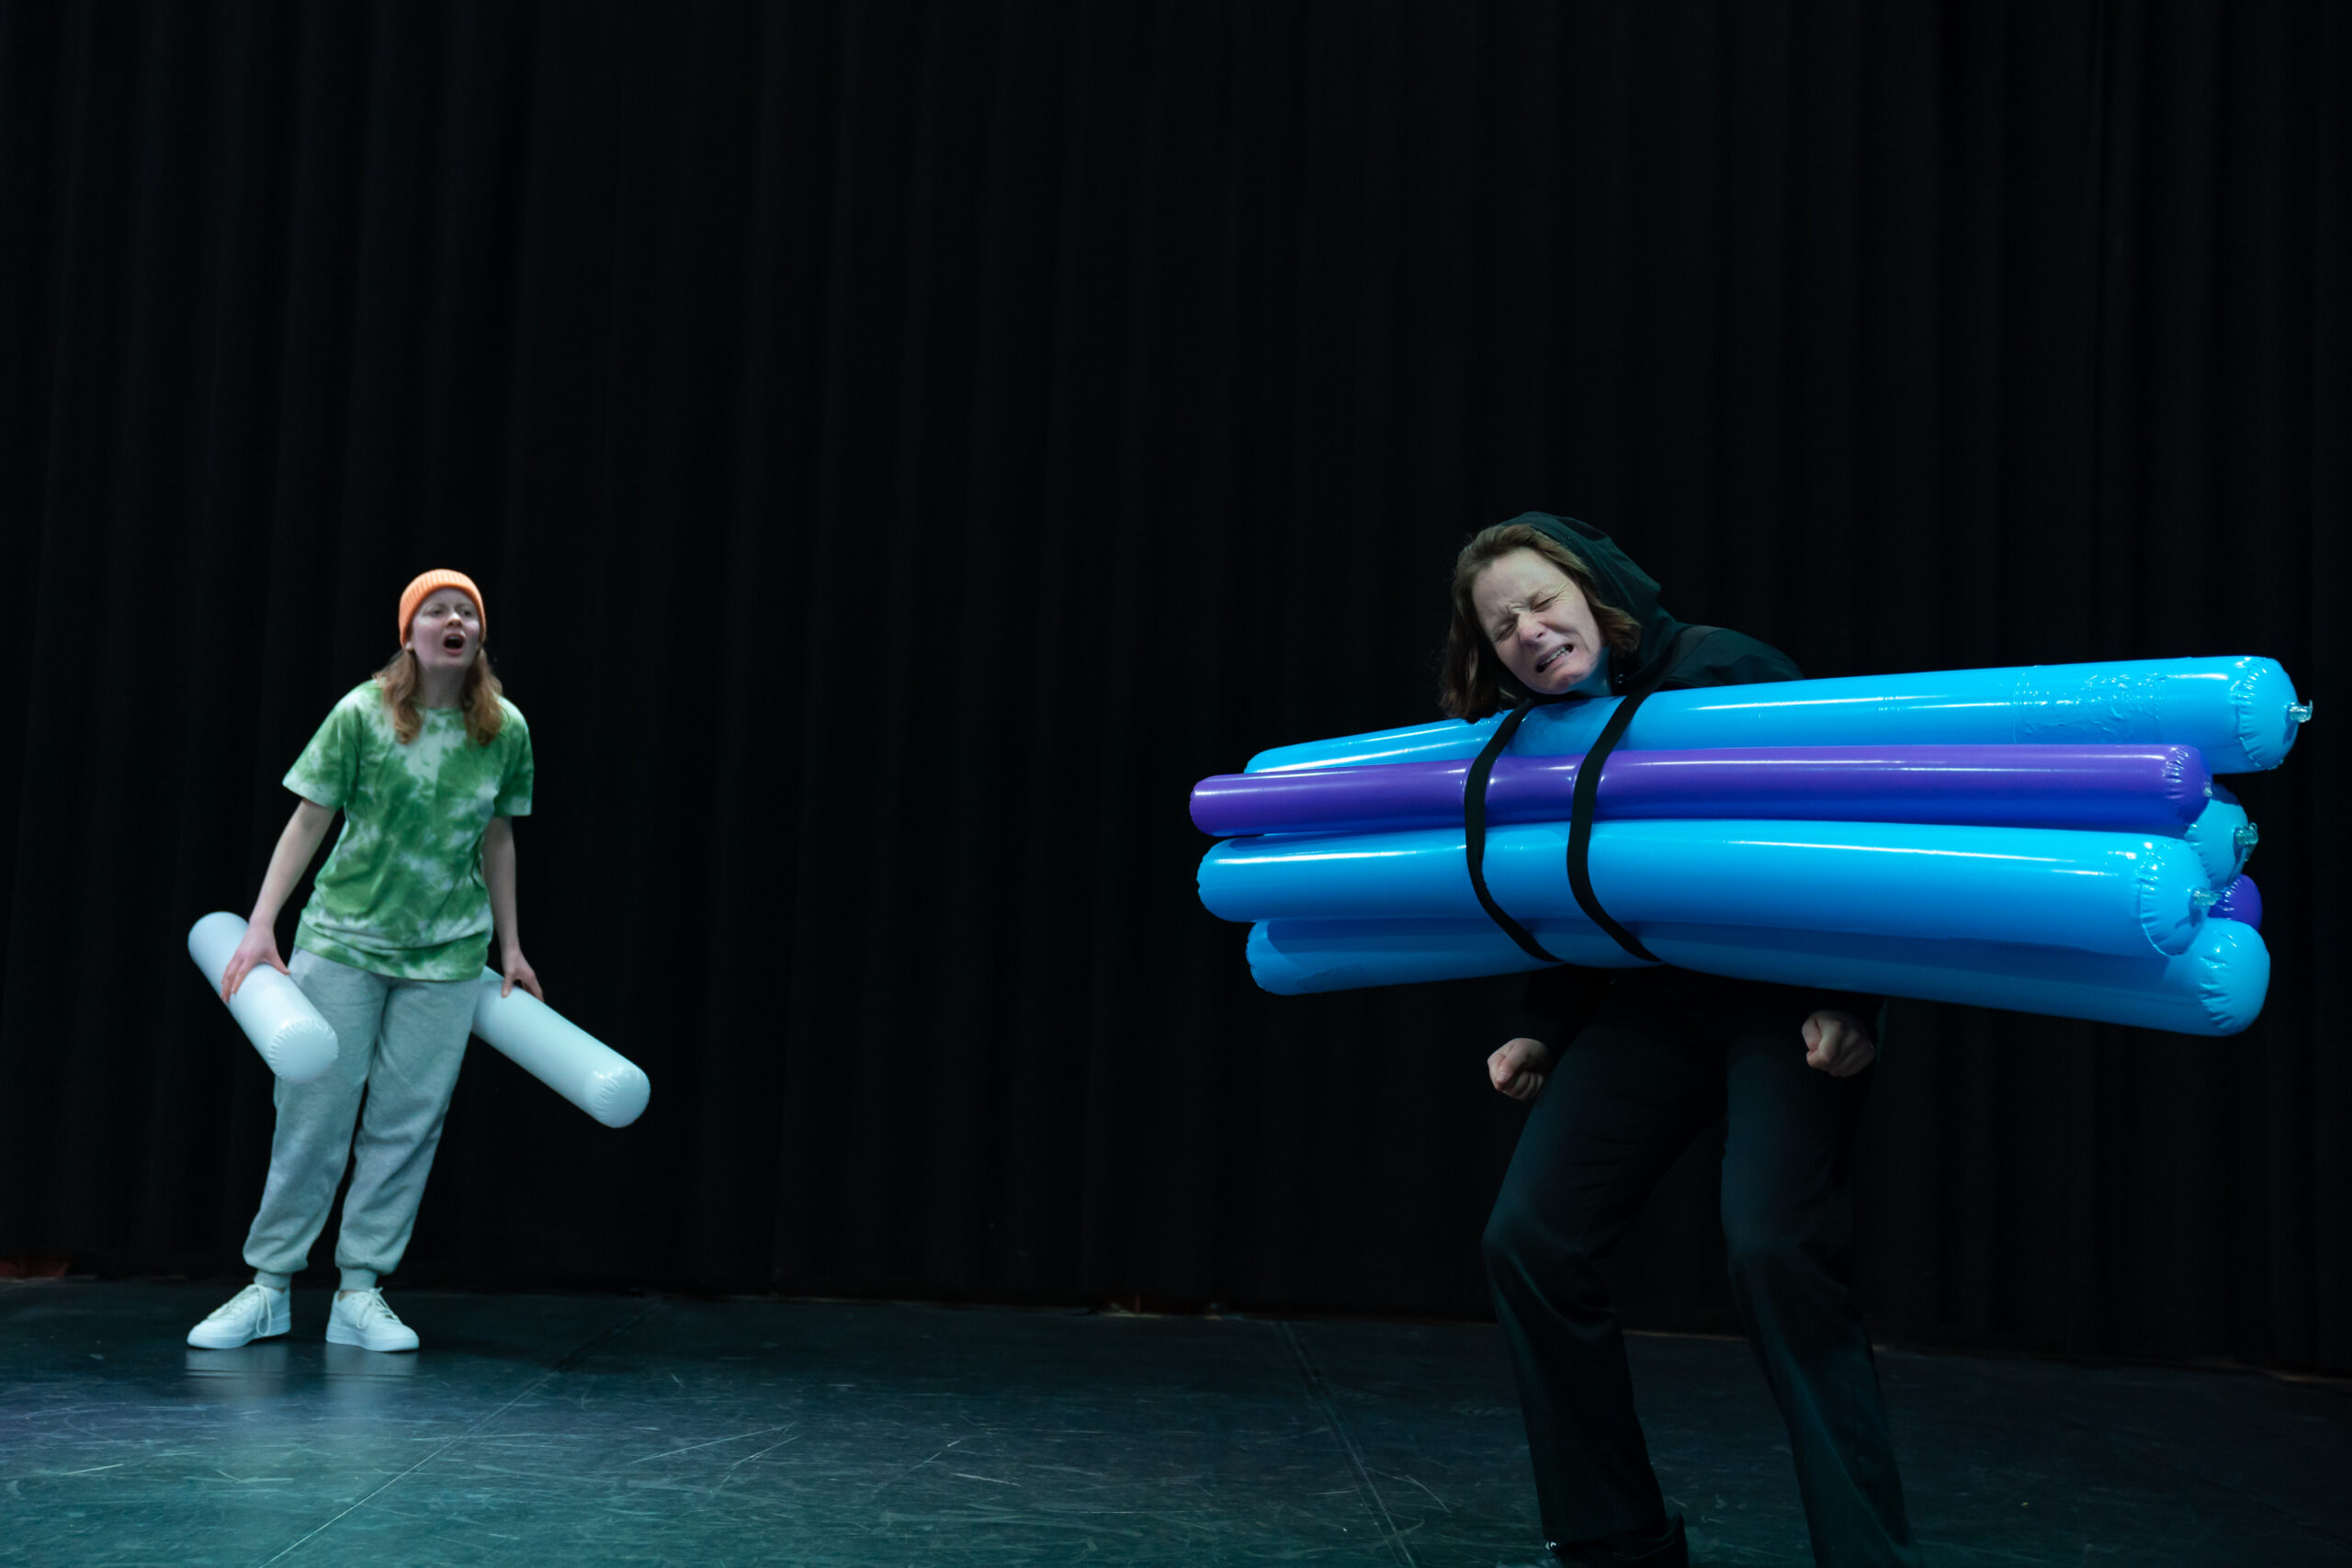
point(455, 642)
point(1545, 663)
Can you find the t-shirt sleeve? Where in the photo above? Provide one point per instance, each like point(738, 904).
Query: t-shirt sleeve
point(514, 789)
point(326, 771)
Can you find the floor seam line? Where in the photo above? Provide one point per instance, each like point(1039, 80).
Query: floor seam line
point(1319, 1393)
point(561, 1367)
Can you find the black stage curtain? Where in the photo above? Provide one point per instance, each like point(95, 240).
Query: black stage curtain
point(905, 446)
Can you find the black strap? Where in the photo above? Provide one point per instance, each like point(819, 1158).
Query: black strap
point(1473, 822)
point(1587, 790)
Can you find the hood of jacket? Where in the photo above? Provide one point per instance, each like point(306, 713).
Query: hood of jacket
point(1718, 656)
point(1621, 581)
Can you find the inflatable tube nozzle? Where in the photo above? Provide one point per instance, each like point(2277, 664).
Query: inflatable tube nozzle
point(2300, 712)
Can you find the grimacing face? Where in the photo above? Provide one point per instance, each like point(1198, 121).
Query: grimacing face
point(445, 632)
point(1538, 622)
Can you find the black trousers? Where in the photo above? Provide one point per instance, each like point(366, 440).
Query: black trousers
point(1660, 1061)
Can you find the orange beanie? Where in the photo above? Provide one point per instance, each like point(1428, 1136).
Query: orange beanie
point(425, 583)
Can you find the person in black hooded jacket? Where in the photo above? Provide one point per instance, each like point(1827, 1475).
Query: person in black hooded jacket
point(1548, 608)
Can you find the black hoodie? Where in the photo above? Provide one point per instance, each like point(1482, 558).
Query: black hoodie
point(1726, 658)
point(1559, 1000)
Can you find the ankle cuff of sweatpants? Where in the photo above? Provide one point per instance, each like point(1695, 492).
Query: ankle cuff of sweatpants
point(357, 1280)
point(275, 1281)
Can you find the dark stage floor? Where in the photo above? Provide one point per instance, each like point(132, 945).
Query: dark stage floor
point(588, 1429)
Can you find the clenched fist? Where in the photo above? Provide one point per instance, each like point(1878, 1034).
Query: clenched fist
point(1517, 1066)
point(1839, 1043)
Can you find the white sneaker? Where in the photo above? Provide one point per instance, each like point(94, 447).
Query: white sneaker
point(361, 1318)
point(254, 1313)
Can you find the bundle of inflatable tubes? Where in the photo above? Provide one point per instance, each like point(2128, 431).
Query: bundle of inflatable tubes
point(2050, 839)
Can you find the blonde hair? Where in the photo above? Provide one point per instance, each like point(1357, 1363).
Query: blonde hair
point(1472, 681)
point(478, 698)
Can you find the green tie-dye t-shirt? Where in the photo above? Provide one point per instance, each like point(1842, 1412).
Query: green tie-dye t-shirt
point(402, 893)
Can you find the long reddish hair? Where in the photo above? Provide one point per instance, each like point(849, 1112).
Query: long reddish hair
point(478, 698)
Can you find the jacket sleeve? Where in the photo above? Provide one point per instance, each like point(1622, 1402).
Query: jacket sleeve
point(1560, 1002)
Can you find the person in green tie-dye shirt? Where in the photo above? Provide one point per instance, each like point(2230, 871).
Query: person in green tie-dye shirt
point(429, 764)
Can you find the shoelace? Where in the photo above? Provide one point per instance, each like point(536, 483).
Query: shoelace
point(236, 1303)
point(373, 1305)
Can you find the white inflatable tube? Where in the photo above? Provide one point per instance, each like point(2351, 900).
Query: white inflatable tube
point(276, 1017)
point(561, 1054)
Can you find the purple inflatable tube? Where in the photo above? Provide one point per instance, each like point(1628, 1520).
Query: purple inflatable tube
point(2242, 902)
point(2159, 789)
point(2123, 788)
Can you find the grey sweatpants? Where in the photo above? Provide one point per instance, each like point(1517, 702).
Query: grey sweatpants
point(401, 1042)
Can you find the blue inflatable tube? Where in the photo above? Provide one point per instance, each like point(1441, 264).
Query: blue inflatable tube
point(2214, 989)
point(2095, 892)
point(2241, 713)
point(2161, 790)
point(2221, 838)
point(1293, 958)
